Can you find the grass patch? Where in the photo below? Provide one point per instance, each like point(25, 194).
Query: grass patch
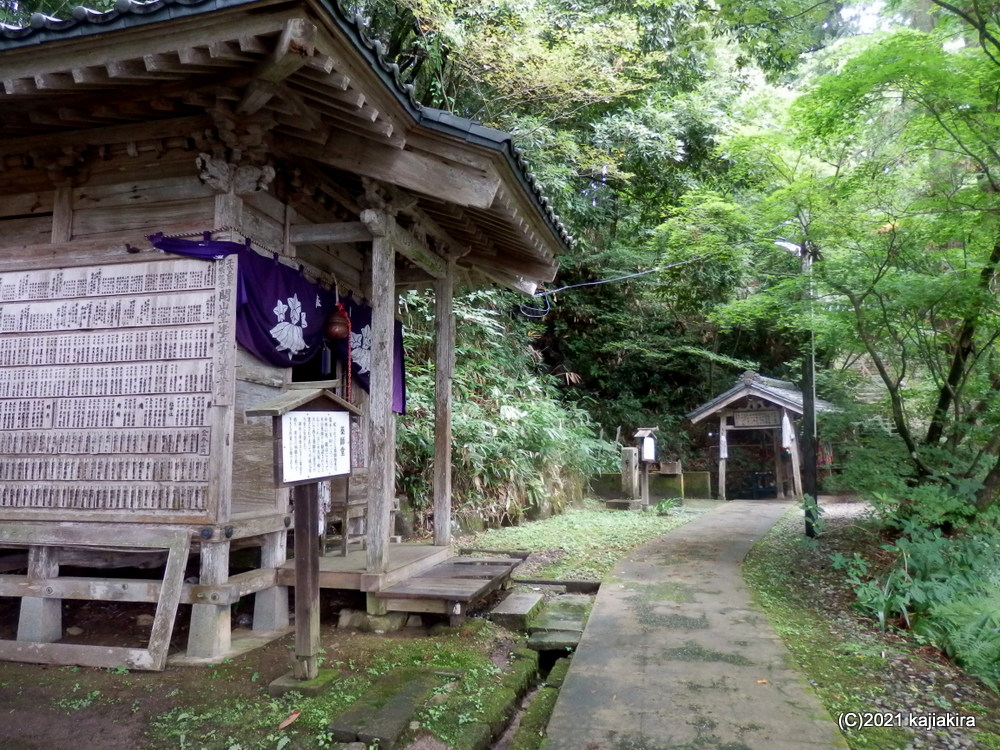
point(842, 673)
point(251, 722)
point(582, 544)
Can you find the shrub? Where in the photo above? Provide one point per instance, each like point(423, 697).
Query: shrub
point(515, 442)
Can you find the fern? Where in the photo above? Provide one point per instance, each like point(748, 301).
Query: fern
point(968, 629)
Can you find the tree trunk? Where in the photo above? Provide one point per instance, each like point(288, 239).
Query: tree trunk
point(988, 493)
point(964, 347)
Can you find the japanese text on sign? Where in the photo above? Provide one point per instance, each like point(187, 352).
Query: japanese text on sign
point(315, 445)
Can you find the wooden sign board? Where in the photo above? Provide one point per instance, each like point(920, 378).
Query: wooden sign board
point(315, 445)
point(757, 418)
point(109, 379)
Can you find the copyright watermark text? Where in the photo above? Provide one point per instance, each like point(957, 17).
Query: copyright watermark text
point(853, 720)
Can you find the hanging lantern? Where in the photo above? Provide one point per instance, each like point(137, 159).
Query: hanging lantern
point(338, 325)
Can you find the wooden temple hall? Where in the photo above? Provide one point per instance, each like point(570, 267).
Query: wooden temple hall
point(757, 424)
point(207, 210)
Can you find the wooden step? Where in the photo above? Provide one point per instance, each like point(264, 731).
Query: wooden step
point(449, 587)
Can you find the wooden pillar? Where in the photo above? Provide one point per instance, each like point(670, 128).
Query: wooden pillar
point(41, 619)
point(723, 452)
point(630, 473)
point(382, 435)
point(306, 582)
point(644, 483)
point(211, 633)
point(444, 369)
point(270, 607)
point(779, 465)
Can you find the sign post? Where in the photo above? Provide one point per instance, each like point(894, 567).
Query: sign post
point(646, 443)
point(311, 430)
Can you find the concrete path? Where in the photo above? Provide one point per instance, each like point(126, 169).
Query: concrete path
point(675, 655)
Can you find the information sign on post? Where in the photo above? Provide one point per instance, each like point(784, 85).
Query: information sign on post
point(315, 445)
point(312, 442)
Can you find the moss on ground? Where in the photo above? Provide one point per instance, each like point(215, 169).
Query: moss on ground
point(531, 730)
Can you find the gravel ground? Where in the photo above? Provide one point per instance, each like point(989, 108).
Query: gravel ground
point(913, 679)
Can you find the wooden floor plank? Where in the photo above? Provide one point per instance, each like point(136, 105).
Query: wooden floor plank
point(446, 589)
point(447, 570)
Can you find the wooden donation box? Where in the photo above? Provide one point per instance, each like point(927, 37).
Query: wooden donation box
point(312, 443)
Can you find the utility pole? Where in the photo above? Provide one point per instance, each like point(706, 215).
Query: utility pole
point(809, 436)
point(808, 441)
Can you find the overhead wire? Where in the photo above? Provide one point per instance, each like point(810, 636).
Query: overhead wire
point(539, 312)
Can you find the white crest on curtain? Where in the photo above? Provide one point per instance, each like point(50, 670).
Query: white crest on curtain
point(361, 349)
point(288, 333)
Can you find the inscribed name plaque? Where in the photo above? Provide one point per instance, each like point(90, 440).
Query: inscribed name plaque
point(315, 445)
point(108, 376)
point(757, 418)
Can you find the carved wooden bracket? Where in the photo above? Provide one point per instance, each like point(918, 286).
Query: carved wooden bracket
point(234, 155)
point(66, 166)
point(227, 177)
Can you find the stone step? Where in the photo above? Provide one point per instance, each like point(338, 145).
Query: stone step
point(568, 612)
point(554, 640)
point(517, 611)
point(383, 713)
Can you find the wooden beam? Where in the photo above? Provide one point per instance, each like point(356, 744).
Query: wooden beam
point(515, 283)
point(382, 435)
point(422, 173)
point(325, 234)
point(406, 244)
point(140, 131)
point(413, 278)
point(444, 367)
point(526, 269)
point(296, 45)
point(136, 590)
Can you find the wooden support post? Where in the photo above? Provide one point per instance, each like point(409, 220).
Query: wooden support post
point(723, 453)
point(444, 367)
point(270, 606)
point(630, 473)
point(644, 483)
point(779, 465)
point(211, 633)
point(382, 435)
point(306, 582)
point(41, 619)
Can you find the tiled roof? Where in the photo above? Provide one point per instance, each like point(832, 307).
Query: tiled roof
point(754, 384)
point(131, 13)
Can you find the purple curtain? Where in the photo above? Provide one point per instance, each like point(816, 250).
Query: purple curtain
point(361, 320)
point(281, 315)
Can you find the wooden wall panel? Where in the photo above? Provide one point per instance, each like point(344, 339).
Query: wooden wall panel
point(92, 223)
point(26, 231)
point(26, 204)
point(254, 487)
point(150, 193)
